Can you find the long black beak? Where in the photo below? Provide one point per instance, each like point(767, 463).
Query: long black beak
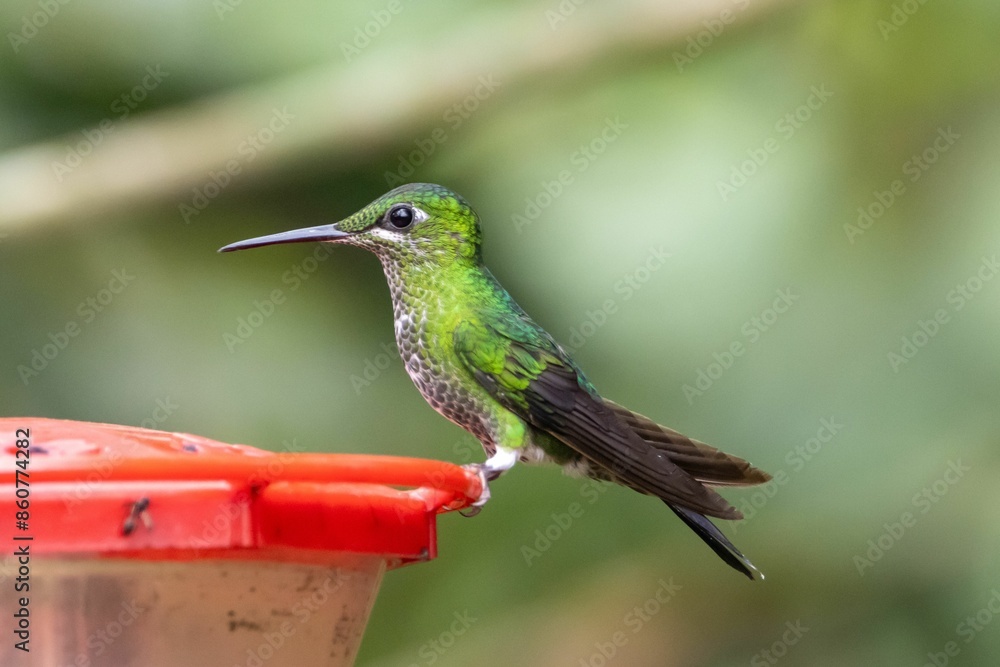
point(324, 233)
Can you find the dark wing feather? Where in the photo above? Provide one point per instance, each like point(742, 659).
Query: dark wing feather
point(527, 373)
point(703, 462)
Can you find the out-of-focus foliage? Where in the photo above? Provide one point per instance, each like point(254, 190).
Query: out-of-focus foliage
point(742, 149)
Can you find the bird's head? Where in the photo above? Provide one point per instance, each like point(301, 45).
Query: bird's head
point(415, 222)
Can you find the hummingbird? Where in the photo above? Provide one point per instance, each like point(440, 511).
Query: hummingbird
point(483, 363)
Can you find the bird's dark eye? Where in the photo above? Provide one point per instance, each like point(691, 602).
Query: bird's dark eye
point(401, 216)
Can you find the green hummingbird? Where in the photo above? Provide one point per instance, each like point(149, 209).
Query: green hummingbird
point(482, 363)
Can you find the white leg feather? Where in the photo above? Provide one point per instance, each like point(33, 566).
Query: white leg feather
point(501, 461)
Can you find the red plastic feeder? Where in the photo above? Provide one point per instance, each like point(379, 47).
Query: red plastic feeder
point(151, 548)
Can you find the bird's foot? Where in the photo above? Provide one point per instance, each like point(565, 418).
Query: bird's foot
point(486, 475)
point(501, 461)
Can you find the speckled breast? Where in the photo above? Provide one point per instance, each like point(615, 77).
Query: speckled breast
point(430, 362)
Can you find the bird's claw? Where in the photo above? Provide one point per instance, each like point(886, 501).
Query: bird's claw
point(485, 477)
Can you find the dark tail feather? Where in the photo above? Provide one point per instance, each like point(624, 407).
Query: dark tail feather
point(714, 538)
point(703, 462)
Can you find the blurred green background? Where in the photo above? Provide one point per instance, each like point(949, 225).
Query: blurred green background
point(739, 139)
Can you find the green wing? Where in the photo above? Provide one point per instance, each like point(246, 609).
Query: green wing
point(530, 375)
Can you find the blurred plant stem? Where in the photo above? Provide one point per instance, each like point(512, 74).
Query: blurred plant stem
point(335, 110)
